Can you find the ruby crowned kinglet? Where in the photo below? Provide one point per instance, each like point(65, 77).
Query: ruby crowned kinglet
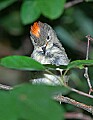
point(47, 50)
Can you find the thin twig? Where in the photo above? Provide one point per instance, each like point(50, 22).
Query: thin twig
point(88, 80)
point(5, 87)
point(88, 36)
point(79, 92)
point(72, 89)
point(74, 115)
point(61, 98)
point(86, 68)
point(60, 80)
point(72, 3)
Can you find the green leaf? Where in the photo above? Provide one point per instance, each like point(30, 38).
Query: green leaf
point(29, 11)
point(6, 3)
point(8, 110)
point(74, 64)
point(27, 63)
point(21, 63)
point(30, 102)
point(51, 8)
point(79, 64)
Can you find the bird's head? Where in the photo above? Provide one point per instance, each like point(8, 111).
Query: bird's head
point(42, 35)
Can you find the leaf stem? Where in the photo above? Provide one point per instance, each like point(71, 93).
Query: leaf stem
point(72, 89)
point(60, 80)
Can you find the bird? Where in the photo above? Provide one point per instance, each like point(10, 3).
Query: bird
point(47, 50)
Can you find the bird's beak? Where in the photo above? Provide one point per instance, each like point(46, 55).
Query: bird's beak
point(44, 48)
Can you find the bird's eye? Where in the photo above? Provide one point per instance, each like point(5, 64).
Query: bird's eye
point(48, 37)
point(35, 40)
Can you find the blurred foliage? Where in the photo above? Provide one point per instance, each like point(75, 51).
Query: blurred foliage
point(13, 24)
point(51, 9)
point(28, 102)
point(71, 24)
point(6, 3)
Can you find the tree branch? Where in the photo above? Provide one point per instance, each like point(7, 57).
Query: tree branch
point(80, 92)
point(61, 98)
point(74, 115)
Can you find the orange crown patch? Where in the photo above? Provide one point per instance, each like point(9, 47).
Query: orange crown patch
point(35, 29)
